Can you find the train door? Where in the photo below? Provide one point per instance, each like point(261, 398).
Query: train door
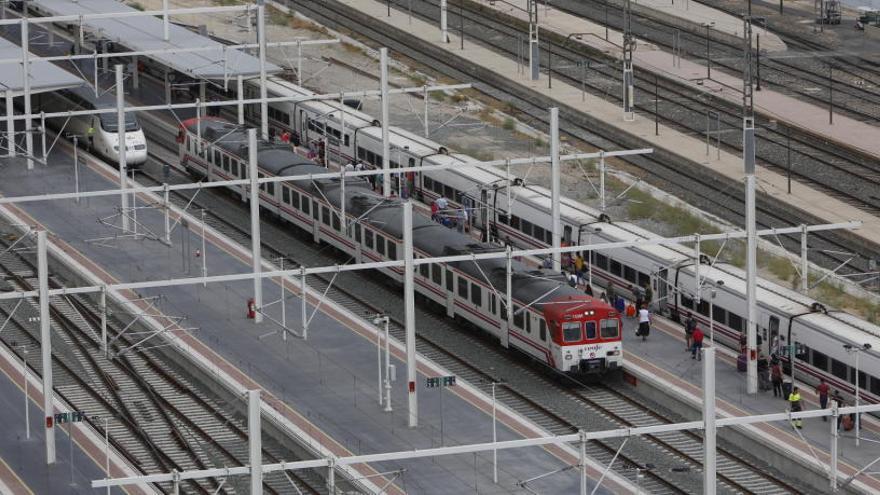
point(772, 340)
point(482, 220)
point(469, 205)
point(303, 128)
point(662, 290)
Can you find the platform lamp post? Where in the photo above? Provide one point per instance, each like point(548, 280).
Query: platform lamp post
point(708, 26)
point(857, 350)
point(386, 382)
point(577, 36)
point(712, 293)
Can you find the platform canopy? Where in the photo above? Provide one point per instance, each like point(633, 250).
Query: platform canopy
point(43, 76)
point(142, 33)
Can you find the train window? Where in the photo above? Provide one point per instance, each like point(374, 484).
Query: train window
point(217, 159)
point(325, 215)
point(571, 331)
point(719, 315)
point(629, 274)
point(601, 261)
point(305, 205)
point(820, 361)
point(436, 273)
point(514, 221)
point(590, 329)
point(609, 329)
point(270, 188)
point(261, 186)
point(476, 294)
point(336, 225)
point(412, 162)
point(285, 194)
point(361, 153)
point(462, 287)
point(643, 279)
point(315, 210)
point(686, 301)
point(368, 238)
point(703, 308)
point(427, 183)
point(449, 277)
point(357, 232)
point(542, 329)
point(528, 316)
point(538, 232)
point(839, 369)
point(233, 168)
point(424, 270)
point(226, 163)
point(517, 317)
point(874, 386)
point(392, 250)
point(852, 377)
point(616, 268)
point(493, 303)
point(380, 244)
point(525, 227)
point(735, 322)
point(345, 140)
point(295, 199)
point(448, 192)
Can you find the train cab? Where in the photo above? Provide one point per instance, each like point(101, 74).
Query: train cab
point(585, 335)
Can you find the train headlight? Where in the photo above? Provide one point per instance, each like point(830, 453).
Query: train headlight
point(613, 353)
point(567, 356)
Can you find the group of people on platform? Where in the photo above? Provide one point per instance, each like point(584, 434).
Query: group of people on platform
point(451, 217)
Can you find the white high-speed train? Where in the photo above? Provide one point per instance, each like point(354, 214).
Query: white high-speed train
point(104, 140)
point(784, 316)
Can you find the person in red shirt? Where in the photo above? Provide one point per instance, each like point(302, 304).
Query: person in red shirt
point(822, 389)
point(697, 337)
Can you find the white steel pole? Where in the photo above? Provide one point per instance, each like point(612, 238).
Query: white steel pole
point(583, 463)
point(255, 444)
point(261, 39)
point(805, 265)
point(256, 245)
point(27, 405)
point(556, 226)
point(379, 364)
point(712, 317)
point(409, 302)
point(107, 448)
point(10, 124)
point(858, 396)
point(167, 207)
point(135, 73)
point(166, 24)
point(304, 302)
point(283, 300)
point(833, 449)
point(299, 63)
point(104, 318)
point(387, 365)
point(698, 283)
point(425, 96)
point(240, 90)
point(509, 295)
point(46, 343)
point(751, 257)
point(204, 253)
point(120, 125)
point(26, 85)
point(602, 180)
point(43, 134)
point(76, 166)
point(709, 444)
point(494, 437)
point(386, 143)
point(444, 37)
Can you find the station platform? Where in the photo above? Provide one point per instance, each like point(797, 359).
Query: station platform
point(323, 388)
point(23, 468)
point(803, 197)
point(661, 361)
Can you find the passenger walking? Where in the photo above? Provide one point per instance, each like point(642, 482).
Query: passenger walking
point(349, 167)
point(795, 405)
point(434, 210)
point(462, 219)
point(604, 297)
point(588, 290)
point(644, 323)
point(612, 294)
point(579, 265)
point(822, 389)
point(649, 294)
point(689, 326)
point(285, 137)
point(776, 378)
point(698, 344)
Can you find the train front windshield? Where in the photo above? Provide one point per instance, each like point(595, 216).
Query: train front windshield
point(110, 124)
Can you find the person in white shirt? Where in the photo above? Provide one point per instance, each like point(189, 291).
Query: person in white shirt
point(644, 322)
point(349, 167)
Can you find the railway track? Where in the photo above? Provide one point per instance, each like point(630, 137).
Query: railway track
point(801, 71)
point(558, 406)
point(158, 417)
